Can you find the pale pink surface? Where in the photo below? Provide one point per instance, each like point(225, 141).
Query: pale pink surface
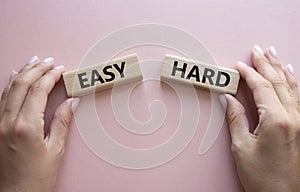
point(65, 30)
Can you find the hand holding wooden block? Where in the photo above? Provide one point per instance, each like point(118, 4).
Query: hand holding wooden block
point(102, 76)
point(181, 70)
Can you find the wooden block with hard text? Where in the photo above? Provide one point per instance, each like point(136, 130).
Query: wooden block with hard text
point(202, 75)
point(102, 76)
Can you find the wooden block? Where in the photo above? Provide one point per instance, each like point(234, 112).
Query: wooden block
point(102, 76)
point(202, 75)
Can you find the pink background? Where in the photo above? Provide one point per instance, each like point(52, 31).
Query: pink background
point(65, 30)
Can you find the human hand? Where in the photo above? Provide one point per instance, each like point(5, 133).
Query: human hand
point(268, 159)
point(29, 160)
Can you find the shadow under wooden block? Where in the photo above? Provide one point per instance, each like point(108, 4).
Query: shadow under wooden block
point(201, 75)
point(102, 76)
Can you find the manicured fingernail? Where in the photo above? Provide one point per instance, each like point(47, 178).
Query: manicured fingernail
point(223, 101)
point(48, 60)
point(59, 67)
point(290, 69)
point(272, 51)
point(258, 50)
point(12, 75)
point(75, 104)
point(32, 60)
point(242, 64)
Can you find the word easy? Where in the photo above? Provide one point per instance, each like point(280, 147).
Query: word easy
point(96, 77)
point(102, 76)
point(211, 77)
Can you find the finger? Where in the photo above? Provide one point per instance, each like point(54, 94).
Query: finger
point(5, 92)
point(292, 81)
point(36, 99)
point(59, 127)
point(237, 122)
point(273, 58)
point(22, 83)
point(263, 92)
point(269, 67)
point(261, 63)
point(30, 63)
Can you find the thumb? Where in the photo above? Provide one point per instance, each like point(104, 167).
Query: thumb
point(59, 127)
point(237, 122)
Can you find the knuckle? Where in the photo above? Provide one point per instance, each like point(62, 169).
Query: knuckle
point(260, 61)
point(21, 127)
point(19, 82)
point(63, 118)
point(57, 151)
point(236, 149)
point(5, 93)
point(231, 117)
point(276, 63)
point(7, 111)
point(278, 82)
point(37, 87)
point(41, 67)
point(64, 121)
point(234, 115)
point(60, 152)
point(294, 84)
point(282, 122)
point(263, 84)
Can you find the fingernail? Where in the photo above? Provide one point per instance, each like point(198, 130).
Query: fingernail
point(48, 60)
point(32, 60)
point(223, 101)
point(242, 64)
point(12, 75)
point(75, 104)
point(290, 69)
point(272, 51)
point(59, 67)
point(258, 50)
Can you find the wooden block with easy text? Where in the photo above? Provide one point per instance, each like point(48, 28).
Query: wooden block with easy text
point(102, 76)
point(201, 75)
